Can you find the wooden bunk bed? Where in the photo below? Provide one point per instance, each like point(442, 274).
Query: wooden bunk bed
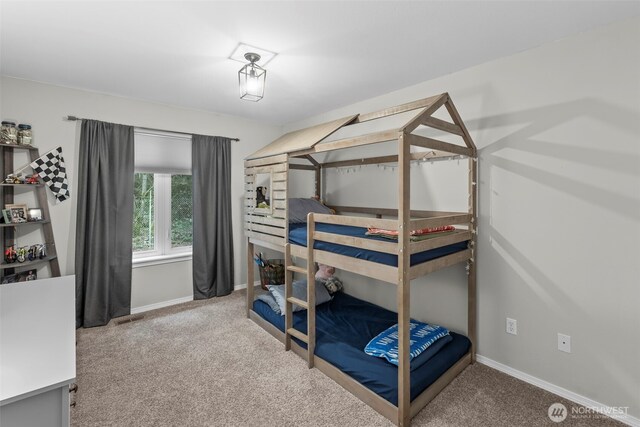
point(270, 228)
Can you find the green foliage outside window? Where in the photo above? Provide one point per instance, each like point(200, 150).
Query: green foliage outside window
point(181, 211)
point(143, 212)
point(144, 215)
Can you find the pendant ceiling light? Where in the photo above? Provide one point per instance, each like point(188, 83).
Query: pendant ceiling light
point(251, 78)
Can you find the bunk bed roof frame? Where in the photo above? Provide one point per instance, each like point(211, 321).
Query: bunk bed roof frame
point(303, 143)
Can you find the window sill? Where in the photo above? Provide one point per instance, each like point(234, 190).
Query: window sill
point(160, 259)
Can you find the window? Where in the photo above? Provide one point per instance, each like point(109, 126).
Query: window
point(162, 215)
point(163, 212)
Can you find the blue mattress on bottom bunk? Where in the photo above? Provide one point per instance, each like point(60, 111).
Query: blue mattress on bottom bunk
point(346, 324)
point(298, 235)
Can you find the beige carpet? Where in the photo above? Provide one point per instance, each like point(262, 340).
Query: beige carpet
point(205, 364)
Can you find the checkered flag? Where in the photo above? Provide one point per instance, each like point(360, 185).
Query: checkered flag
point(50, 167)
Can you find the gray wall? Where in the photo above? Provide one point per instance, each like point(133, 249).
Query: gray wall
point(44, 106)
point(558, 131)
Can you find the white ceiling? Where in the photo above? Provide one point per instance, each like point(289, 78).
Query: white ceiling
point(330, 54)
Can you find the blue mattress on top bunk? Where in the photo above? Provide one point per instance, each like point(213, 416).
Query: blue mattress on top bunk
point(346, 324)
point(298, 236)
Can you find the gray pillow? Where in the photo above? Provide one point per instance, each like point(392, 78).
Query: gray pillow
point(300, 292)
point(299, 208)
point(270, 301)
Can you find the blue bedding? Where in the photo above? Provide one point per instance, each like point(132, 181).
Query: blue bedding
point(298, 235)
point(346, 324)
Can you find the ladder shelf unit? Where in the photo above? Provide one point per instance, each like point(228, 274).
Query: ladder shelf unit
point(10, 232)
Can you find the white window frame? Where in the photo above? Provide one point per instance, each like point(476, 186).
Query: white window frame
point(163, 252)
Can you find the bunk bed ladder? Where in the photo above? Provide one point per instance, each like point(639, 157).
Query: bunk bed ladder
point(309, 305)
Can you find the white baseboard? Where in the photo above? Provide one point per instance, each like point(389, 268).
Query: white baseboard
point(162, 304)
point(562, 392)
point(244, 285)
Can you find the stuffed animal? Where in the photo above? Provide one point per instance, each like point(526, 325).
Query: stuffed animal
point(261, 197)
point(325, 271)
point(325, 274)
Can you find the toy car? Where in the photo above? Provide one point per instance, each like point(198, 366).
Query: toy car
point(33, 179)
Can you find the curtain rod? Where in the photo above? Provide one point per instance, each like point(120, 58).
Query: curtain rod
point(74, 118)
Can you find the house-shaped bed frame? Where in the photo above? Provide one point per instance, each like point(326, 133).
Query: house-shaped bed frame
point(269, 228)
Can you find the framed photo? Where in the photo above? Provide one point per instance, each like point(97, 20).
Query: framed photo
point(17, 213)
point(35, 214)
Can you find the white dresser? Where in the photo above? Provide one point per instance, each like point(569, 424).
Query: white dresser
point(37, 352)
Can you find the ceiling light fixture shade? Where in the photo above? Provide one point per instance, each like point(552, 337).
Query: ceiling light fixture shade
point(252, 78)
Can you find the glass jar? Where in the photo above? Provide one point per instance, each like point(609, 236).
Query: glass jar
point(8, 133)
point(25, 136)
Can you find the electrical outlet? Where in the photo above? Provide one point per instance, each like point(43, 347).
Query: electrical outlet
point(564, 343)
point(512, 326)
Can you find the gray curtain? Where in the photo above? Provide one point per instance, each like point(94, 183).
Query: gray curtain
point(212, 234)
point(104, 223)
